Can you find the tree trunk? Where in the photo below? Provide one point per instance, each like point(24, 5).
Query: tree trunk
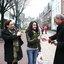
point(2, 20)
point(2, 15)
point(16, 21)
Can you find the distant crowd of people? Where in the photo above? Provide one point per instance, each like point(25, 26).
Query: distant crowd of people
point(44, 29)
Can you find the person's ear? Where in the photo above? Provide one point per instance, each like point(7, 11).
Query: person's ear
point(7, 26)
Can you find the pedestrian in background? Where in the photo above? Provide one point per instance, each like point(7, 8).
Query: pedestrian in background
point(42, 29)
point(59, 36)
point(45, 29)
point(12, 43)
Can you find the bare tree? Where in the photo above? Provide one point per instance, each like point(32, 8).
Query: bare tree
point(5, 5)
point(20, 5)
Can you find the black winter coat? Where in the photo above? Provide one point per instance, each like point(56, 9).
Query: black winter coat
point(59, 54)
point(8, 38)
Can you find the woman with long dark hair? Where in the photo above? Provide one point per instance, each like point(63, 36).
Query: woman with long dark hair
point(33, 42)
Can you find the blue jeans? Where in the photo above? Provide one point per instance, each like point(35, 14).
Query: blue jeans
point(32, 55)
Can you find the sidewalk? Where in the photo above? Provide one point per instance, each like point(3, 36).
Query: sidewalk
point(48, 51)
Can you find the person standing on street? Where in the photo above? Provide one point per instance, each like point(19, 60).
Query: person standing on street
point(33, 42)
point(45, 29)
point(42, 29)
point(59, 36)
point(12, 45)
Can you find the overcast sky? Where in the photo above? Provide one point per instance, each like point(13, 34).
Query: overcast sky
point(35, 7)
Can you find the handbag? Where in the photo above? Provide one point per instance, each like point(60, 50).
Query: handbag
point(40, 58)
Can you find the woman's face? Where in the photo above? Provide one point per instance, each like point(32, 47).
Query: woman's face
point(34, 26)
point(10, 26)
